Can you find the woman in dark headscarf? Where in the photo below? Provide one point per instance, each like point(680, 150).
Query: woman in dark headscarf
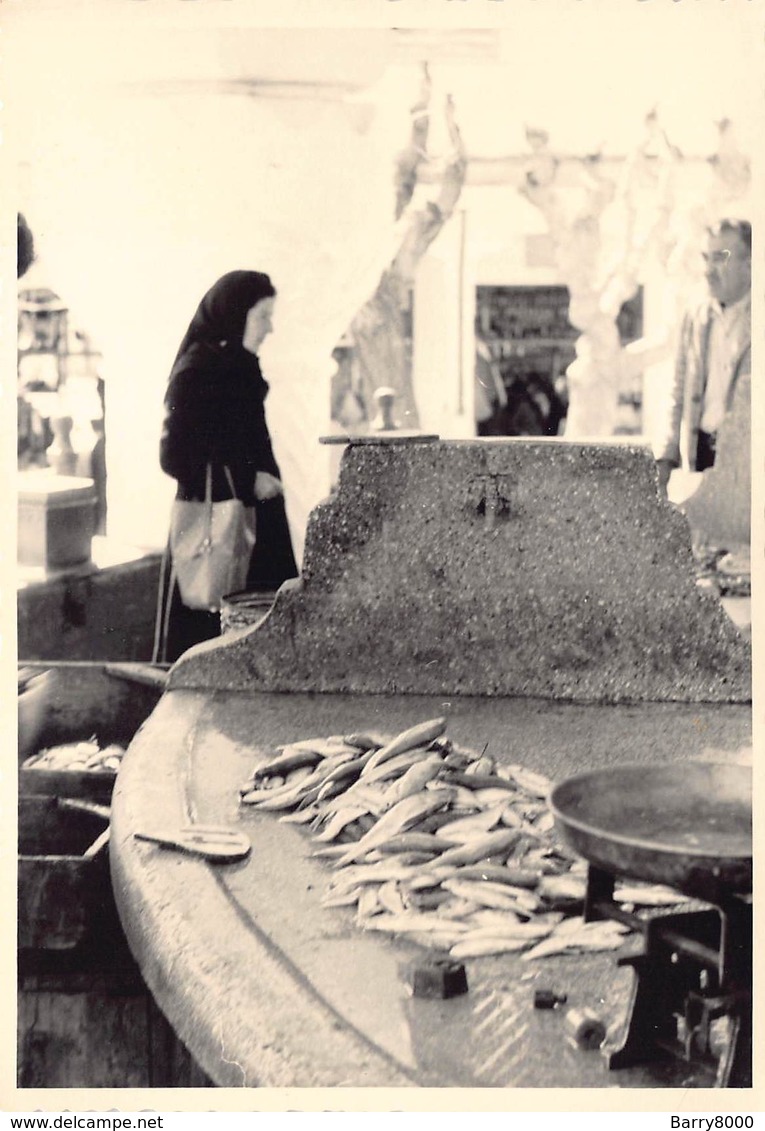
point(215, 414)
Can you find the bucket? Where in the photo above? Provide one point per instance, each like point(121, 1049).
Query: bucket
point(244, 610)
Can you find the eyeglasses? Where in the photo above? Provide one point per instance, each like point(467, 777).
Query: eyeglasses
point(721, 258)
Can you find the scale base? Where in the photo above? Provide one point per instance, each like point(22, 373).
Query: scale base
point(695, 971)
point(669, 1019)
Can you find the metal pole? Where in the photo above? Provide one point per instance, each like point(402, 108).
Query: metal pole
point(461, 319)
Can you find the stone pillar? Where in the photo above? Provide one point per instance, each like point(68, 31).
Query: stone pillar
point(61, 455)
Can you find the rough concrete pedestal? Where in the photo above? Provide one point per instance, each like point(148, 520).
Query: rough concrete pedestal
point(500, 568)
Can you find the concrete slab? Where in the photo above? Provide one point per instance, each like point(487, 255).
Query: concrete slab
point(491, 567)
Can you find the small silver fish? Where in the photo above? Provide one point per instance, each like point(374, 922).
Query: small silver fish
point(399, 819)
point(390, 899)
point(340, 821)
point(369, 903)
point(584, 936)
point(479, 947)
point(479, 847)
point(562, 887)
point(342, 899)
point(654, 896)
point(420, 735)
point(395, 766)
point(530, 781)
point(413, 780)
point(416, 921)
point(465, 829)
point(481, 893)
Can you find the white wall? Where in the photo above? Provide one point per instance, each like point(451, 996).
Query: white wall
point(139, 199)
point(141, 196)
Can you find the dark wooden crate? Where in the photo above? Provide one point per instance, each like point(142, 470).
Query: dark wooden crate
point(106, 701)
point(86, 785)
point(61, 885)
point(86, 1018)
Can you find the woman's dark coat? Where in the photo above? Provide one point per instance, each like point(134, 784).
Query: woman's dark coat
point(215, 414)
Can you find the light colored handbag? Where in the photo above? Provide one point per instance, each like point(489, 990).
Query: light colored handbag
point(211, 544)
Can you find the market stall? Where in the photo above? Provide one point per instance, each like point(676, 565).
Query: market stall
point(265, 974)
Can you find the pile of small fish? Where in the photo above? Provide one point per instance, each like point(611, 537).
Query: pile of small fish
point(78, 756)
point(437, 842)
point(28, 677)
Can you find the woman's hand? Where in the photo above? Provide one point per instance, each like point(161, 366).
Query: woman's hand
point(267, 486)
point(664, 467)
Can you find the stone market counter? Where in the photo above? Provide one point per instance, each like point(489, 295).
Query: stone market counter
point(267, 988)
point(540, 595)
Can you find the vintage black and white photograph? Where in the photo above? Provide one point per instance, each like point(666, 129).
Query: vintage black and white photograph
point(385, 527)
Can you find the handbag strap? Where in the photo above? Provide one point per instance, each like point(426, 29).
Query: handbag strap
point(208, 491)
point(208, 483)
point(208, 499)
point(164, 600)
point(230, 481)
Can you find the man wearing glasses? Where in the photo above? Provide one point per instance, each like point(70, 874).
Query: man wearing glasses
point(714, 351)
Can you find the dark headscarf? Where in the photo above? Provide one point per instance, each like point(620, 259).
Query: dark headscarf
point(222, 313)
point(25, 246)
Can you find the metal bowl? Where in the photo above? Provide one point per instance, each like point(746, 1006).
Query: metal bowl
point(687, 825)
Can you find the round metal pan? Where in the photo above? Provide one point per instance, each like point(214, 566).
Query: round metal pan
point(687, 825)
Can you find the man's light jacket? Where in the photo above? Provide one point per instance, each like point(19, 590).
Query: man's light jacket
point(678, 440)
